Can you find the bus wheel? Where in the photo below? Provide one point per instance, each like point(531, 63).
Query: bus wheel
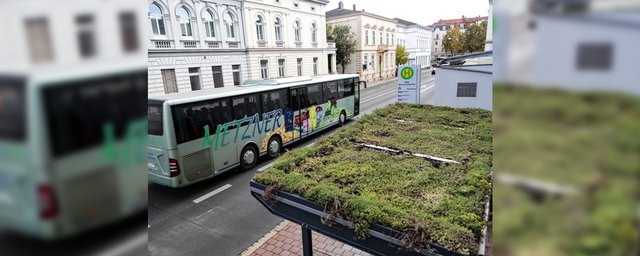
point(248, 157)
point(274, 147)
point(343, 118)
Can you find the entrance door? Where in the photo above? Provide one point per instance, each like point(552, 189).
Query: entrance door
point(300, 105)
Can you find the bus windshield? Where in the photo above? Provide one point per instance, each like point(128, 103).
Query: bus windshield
point(80, 114)
point(12, 109)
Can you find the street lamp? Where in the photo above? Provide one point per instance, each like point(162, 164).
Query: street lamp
point(450, 45)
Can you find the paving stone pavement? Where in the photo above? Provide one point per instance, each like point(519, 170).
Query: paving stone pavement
point(286, 240)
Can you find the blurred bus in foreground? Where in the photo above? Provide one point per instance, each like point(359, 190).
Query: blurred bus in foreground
point(70, 155)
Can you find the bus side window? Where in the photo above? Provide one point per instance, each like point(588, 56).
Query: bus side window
point(330, 91)
point(341, 84)
point(314, 94)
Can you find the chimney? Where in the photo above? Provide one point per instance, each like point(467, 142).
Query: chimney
point(340, 5)
point(354, 7)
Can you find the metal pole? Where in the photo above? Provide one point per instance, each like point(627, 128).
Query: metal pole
point(307, 247)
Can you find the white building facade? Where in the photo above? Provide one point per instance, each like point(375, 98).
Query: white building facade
point(375, 55)
point(417, 41)
point(195, 45)
point(85, 33)
point(287, 38)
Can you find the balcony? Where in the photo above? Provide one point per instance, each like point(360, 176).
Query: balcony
point(190, 44)
point(299, 44)
point(233, 44)
point(331, 45)
point(385, 48)
point(163, 44)
point(262, 44)
point(213, 44)
point(279, 44)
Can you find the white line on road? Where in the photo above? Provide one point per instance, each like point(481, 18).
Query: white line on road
point(427, 88)
point(139, 240)
point(212, 193)
point(261, 169)
point(378, 96)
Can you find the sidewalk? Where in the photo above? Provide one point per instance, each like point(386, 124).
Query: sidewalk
point(286, 239)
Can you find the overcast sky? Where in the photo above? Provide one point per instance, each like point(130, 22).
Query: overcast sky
point(424, 12)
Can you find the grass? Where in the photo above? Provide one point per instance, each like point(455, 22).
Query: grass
point(589, 141)
point(427, 202)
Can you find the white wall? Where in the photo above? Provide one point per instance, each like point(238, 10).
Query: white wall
point(446, 86)
point(560, 37)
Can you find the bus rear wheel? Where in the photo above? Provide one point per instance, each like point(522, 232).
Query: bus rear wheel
point(248, 157)
point(343, 118)
point(274, 147)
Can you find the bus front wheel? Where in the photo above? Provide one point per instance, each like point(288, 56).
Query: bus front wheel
point(274, 147)
point(248, 157)
point(343, 118)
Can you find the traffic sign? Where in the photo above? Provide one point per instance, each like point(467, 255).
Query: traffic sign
point(409, 84)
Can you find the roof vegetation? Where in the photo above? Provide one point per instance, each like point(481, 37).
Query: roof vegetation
point(427, 200)
point(587, 142)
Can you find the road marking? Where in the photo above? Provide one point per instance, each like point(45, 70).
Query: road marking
point(212, 193)
point(138, 240)
point(379, 96)
point(427, 88)
point(263, 168)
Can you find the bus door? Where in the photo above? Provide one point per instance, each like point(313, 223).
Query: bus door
point(300, 105)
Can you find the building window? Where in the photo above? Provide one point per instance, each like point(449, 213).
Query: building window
point(278, 27)
point(373, 61)
point(209, 24)
point(387, 38)
point(39, 40)
point(296, 5)
point(467, 89)
point(366, 37)
point(280, 67)
point(373, 36)
point(366, 61)
point(218, 81)
point(264, 71)
point(169, 81)
point(380, 37)
point(194, 76)
point(314, 33)
point(185, 21)
point(315, 66)
point(236, 74)
point(128, 31)
point(299, 66)
point(86, 35)
point(229, 21)
point(595, 56)
point(260, 28)
point(393, 38)
point(298, 30)
point(157, 21)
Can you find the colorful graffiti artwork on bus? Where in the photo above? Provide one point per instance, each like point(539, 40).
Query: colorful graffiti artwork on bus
point(245, 128)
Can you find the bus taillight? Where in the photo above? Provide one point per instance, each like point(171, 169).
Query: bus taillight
point(174, 169)
point(48, 202)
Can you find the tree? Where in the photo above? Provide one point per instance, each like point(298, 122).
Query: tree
point(402, 56)
point(453, 41)
point(345, 43)
point(475, 37)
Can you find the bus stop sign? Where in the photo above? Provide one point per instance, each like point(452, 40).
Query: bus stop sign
point(409, 84)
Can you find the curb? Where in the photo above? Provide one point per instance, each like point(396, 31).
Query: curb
point(264, 239)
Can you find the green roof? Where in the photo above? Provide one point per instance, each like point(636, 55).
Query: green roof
point(427, 200)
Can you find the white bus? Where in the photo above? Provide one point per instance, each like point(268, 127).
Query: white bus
point(72, 148)
point(197, 135)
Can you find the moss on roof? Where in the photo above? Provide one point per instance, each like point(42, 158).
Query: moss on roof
point(441, 203)
point(587, 141)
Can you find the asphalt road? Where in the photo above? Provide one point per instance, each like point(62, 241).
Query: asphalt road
point(231, 220)
point(226, 223)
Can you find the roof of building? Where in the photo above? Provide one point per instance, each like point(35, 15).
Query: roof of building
point(349, 12)
point(460, 20)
